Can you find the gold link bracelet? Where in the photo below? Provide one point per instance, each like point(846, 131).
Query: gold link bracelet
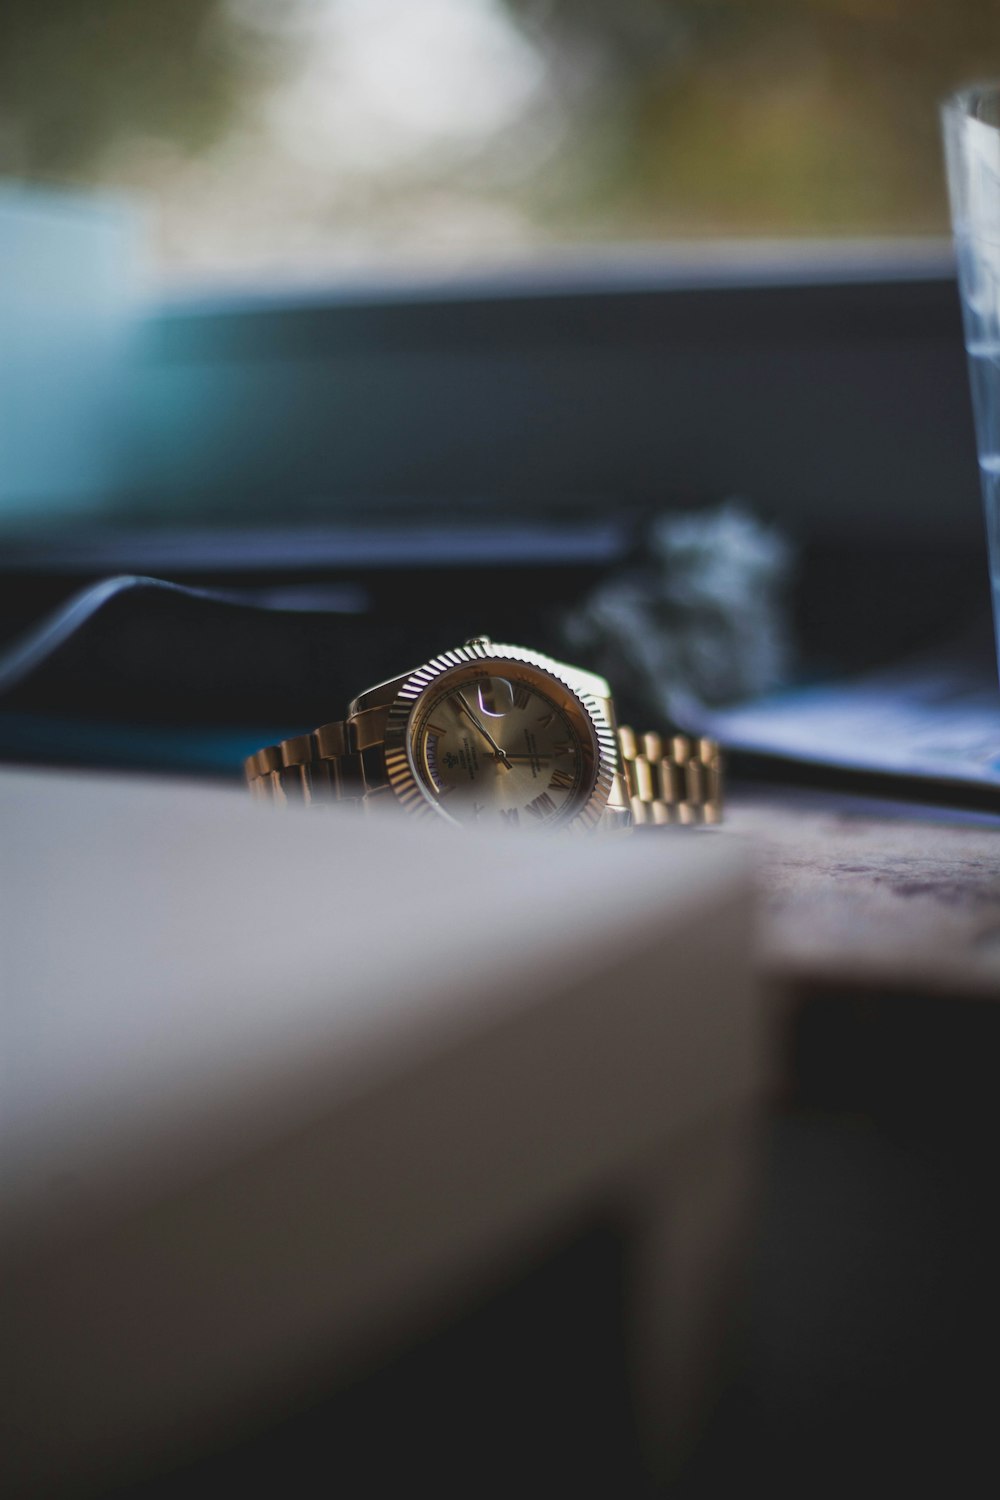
point(680, 784)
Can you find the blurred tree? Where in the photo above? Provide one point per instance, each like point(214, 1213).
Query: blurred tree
point(656, 118)
point(770, 116)
point(77, 76)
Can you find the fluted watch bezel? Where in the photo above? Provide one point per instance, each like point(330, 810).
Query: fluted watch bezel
point(486, 658)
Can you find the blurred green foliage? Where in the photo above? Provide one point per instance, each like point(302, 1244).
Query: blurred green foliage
point(681, 116)
point(78, 76)
point(768, 116)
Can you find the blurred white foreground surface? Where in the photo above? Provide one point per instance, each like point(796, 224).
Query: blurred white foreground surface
point(275, 1085)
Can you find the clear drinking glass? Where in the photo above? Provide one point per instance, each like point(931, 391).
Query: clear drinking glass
point(971, 121)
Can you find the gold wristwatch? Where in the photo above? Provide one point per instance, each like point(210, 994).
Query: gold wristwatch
point(496, 734)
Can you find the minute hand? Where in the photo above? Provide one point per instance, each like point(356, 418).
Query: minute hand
point(498, 752)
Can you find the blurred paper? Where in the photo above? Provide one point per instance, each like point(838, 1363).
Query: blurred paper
point(936, 720)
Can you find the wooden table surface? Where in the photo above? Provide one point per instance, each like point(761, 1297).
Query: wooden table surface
point(867, 895)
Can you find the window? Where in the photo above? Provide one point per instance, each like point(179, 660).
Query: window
point(316, 137)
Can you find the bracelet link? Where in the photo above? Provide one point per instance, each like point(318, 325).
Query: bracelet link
point(674, 781)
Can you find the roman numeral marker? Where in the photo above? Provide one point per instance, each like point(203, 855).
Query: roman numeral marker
point(521, 697)
point(546, 719)
point(560, 779)
point(510, 816)
point(542, 806)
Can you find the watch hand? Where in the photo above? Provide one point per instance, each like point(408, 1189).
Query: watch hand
point(500, 754)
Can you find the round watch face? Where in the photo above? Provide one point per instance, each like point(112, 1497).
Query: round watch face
point(507, 745)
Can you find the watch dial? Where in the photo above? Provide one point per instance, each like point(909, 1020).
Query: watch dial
point(501, 750)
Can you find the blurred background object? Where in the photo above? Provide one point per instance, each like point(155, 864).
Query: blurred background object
point(315, 136)
point(71, 267)
point(972, 150)
point(699, 619)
